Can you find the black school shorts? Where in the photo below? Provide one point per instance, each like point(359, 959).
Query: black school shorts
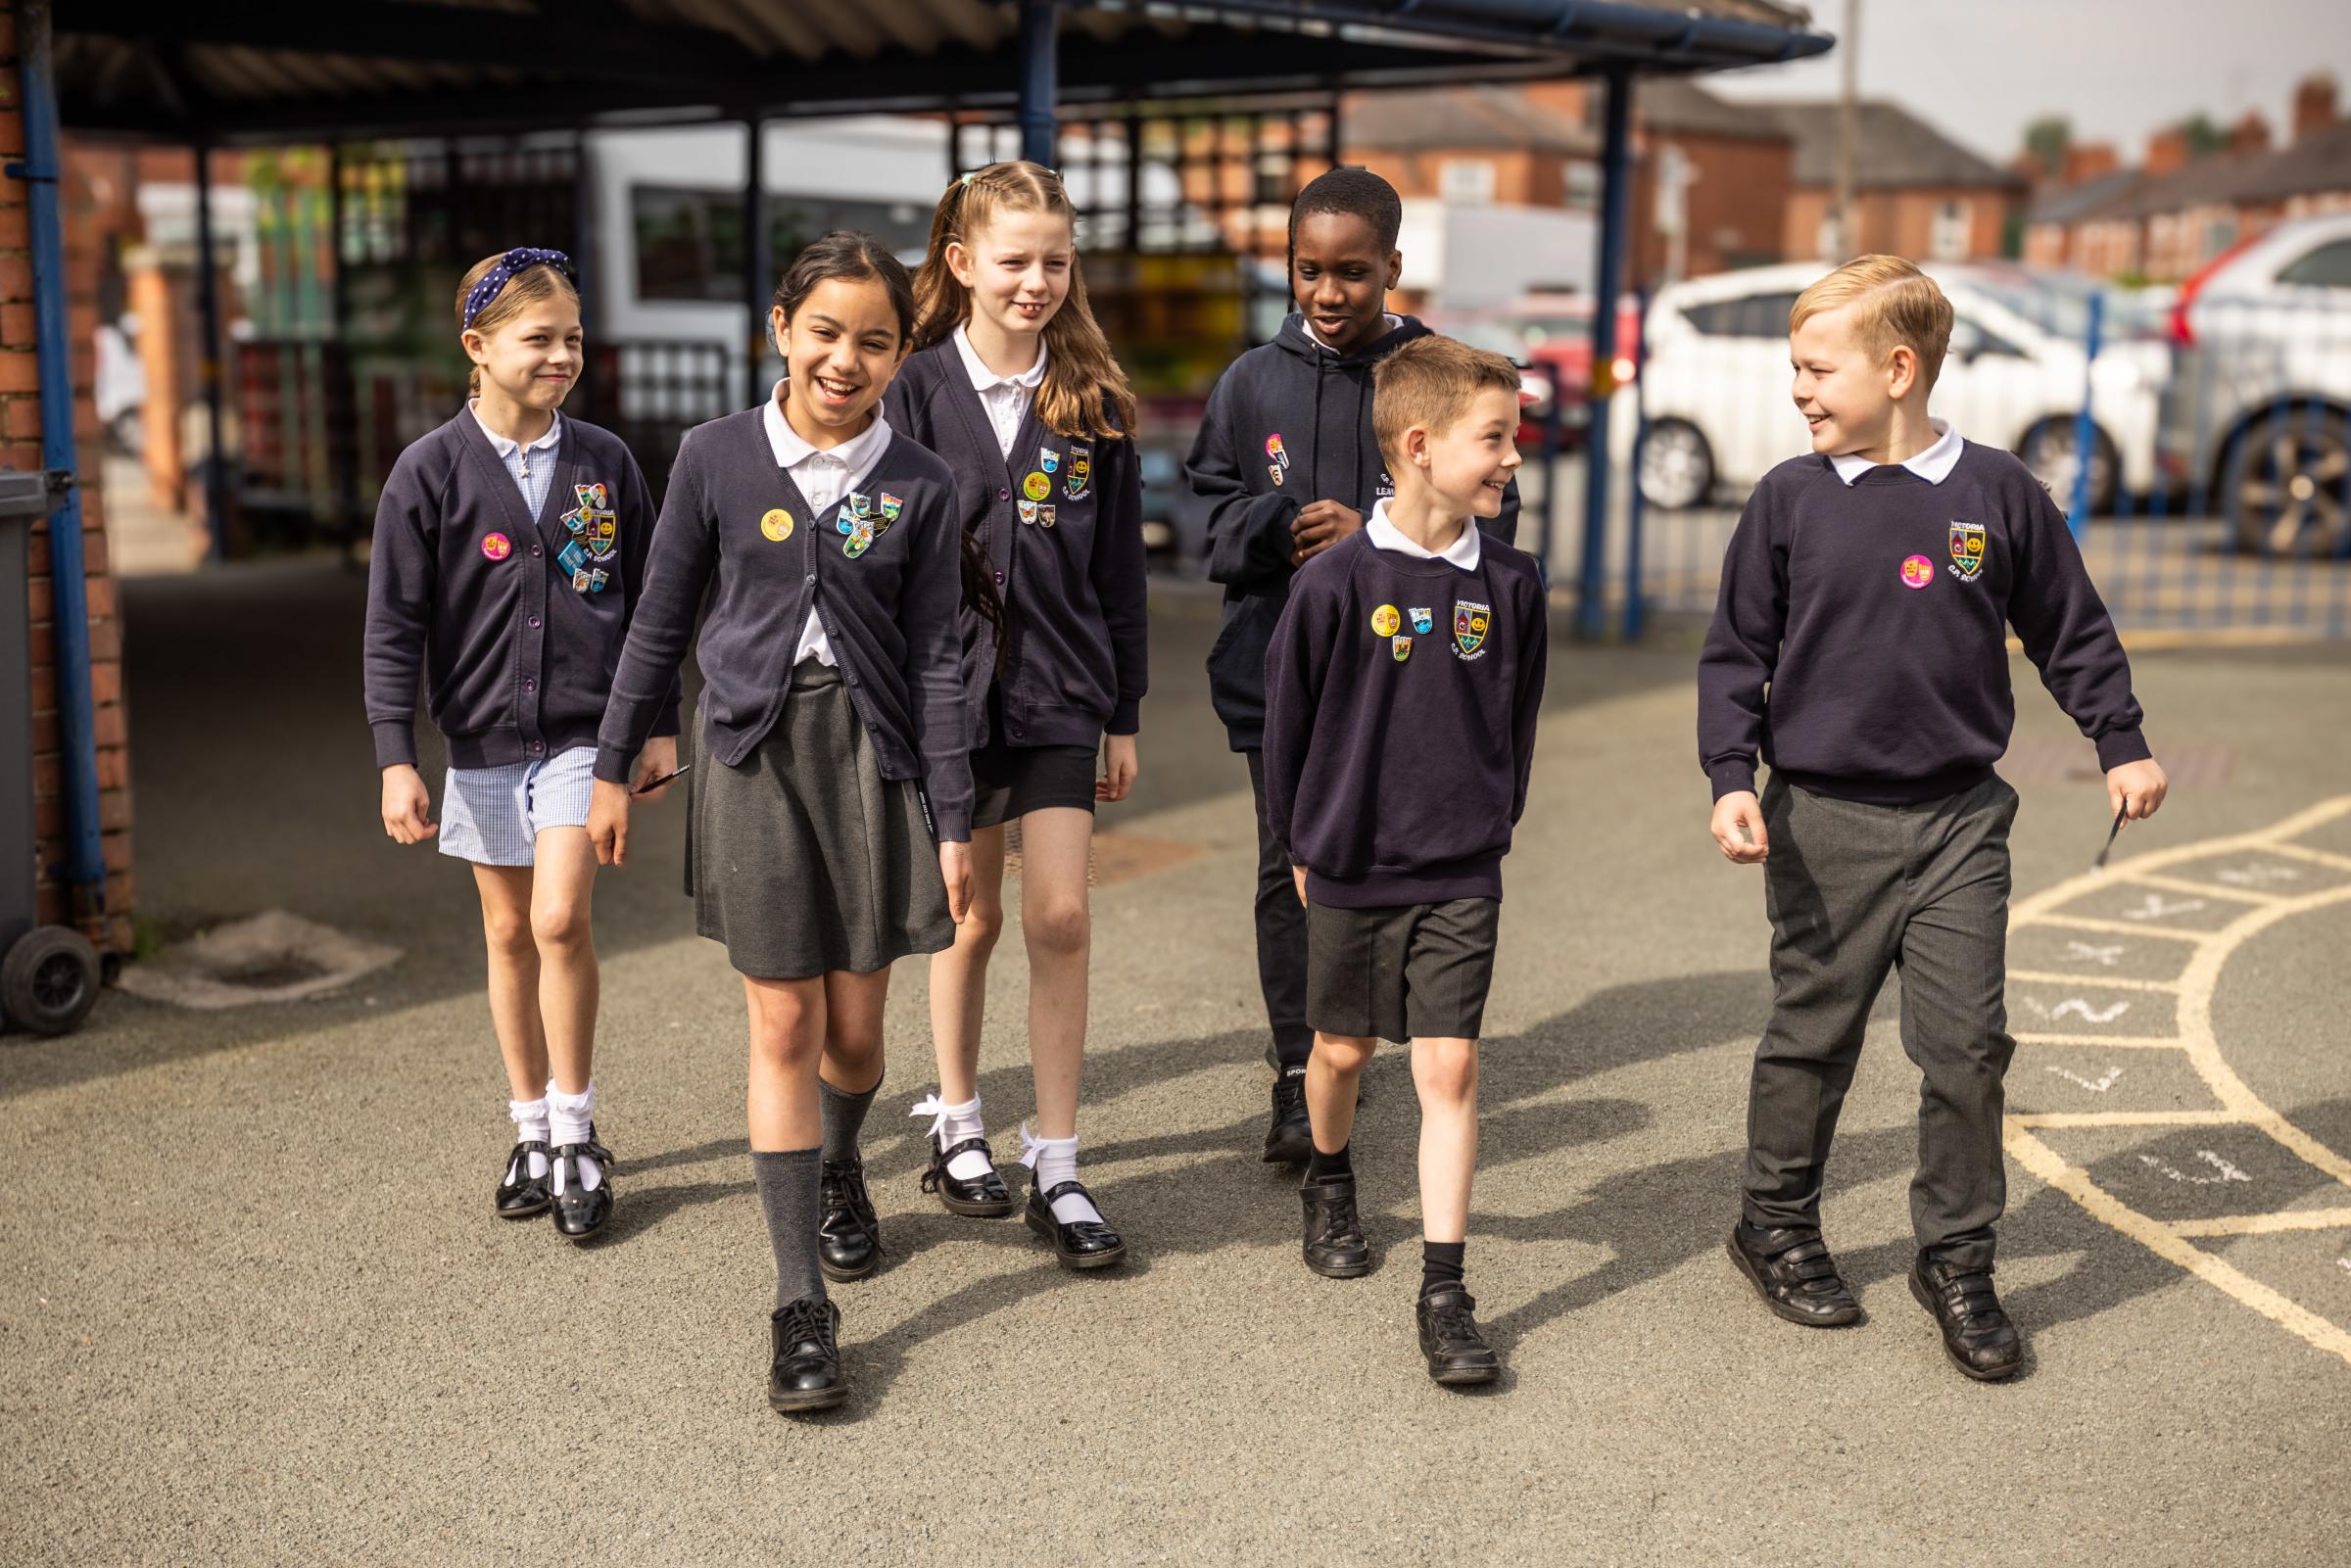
point(1415, 972)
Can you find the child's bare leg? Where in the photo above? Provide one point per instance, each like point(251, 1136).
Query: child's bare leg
point(959, 975)
point(506, 892)
point(1333, 1075)
point(564, 939)
point(854, 1003)
point(1445, 1072)
point(1056, 844)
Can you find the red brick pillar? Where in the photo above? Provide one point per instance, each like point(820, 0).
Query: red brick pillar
point(21, 448)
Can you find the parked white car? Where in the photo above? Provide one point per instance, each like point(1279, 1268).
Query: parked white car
point(1715, 382)
point(2261, 415)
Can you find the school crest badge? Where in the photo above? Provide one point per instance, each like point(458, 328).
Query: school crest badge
point(1048, 459)
point(1399, 648)
point(592, 520)
point(1044, 516)
point(1471, 623)
point(1967, 550)
point(1027, 511)
point(1422, 620)
point(891, 508)
point(1081, 473)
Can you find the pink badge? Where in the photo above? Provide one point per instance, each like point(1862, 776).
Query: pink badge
point(498, 547)
point(1917, 572)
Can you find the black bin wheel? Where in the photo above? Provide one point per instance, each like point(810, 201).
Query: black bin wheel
point(49, 981)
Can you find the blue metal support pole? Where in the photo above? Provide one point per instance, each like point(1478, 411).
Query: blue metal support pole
point(209, 370)
point(2085, 430)
point(1636, 511)
point(759, 280)
point(1040, 80)
point(1614, 203)
point(84, 867)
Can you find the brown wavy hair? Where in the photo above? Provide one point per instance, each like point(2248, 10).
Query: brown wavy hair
point(1086, 392)
point(533, 285)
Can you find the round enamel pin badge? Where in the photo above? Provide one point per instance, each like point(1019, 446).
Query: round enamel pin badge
point(1917, 572)
point(1385, 619)
point(776, 524)
point(498, 547)
point(1036, 487)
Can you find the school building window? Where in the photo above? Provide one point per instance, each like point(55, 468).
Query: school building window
point(1465, 179)
point(689, 243)
point(1953, 229)
point(1583, 187)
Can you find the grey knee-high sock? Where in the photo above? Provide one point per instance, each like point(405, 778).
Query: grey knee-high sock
point(844, 1115)
point(792, 1196)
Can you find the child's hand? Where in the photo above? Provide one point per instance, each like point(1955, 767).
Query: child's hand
point(1298, 877)
point(658, 758)
point(2136, 788)
point(406, 804)
point(608, 823)
point(1118, 768)
point(1739, 829)
point(955, 868)
point(1319, 525)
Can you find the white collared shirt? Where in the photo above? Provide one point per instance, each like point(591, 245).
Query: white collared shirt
point(533, 476)
point(824, 475)
point(1389, 322)
point(1005, 397)
point(1461, 553)
point(1933, 466)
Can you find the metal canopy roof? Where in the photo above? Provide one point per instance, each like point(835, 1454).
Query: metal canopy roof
point(274, 70)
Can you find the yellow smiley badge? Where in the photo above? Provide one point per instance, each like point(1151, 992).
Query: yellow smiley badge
point(776, 524)
point(1385, 619)
point(1036, 487)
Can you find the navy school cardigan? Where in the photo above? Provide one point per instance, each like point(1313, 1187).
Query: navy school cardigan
point(886, 592)
point(469, 590)
point(1061, 520)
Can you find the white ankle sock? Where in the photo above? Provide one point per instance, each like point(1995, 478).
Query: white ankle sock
point(952, 1123)
point(567, 1118)
point(1055, 1160)
point(530, 1126)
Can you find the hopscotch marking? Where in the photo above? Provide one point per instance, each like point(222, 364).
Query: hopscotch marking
point(2257, 874)
point(2097, 1085)
point(2090, 1014)
point(2193, 1036)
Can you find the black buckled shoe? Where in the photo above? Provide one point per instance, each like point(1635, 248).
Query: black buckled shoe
point(1457, 1354)
point(579, 1212)
point(1335, 1246)
point(1792, 1270)
point(849, 1239)
point(520, 1195)
point(1977, 1334)
point(805, 1372)
point(1077, 1244)
point(983, 1197)
point(1289, 1139)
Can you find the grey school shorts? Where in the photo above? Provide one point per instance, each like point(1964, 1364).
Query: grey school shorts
point(1415, 972)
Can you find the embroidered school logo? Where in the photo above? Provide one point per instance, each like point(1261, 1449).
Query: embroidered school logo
point(891, 508)
point(1028, 511)
point(498, 547)
point(1044, 516)
point(1036, 487)
point(1081, 473)
point(1917, 571)
point(776, 524)
point(591, 521)
point(1384, 619)
point(1967, 550)
point(1048, 459)
point(1471, 623)
point(1422, 620)
point(1399, 648)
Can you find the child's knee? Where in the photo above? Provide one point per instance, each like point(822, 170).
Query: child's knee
point(507, 933)
point(1055, 927)
point(1446, 1070)
point(559, 924)
point(982, 924)
point(784, 1033)
point(1342, 1055)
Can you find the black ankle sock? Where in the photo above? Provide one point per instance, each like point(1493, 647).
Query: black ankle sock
point(1320, 1166)
point(1441, 1264)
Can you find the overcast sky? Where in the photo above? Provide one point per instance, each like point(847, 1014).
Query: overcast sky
point(1981, 69)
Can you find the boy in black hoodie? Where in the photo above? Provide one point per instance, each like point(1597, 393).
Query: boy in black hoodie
point(1287, 458)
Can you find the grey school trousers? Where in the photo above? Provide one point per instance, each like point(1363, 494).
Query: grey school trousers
point(1855, 890)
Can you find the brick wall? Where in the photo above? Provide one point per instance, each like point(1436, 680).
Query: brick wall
point(21, 448)
point(1735, 211)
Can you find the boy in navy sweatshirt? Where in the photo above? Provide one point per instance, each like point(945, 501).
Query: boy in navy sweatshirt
point(1400, 690)
point(1287, 458)
point(1860, 648)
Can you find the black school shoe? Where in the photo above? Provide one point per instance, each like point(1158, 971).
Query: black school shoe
point(521, 1195)
point(579, 1212)
point(803, 1371)
point(1457, 1354)
point(849, 1239)
point(1289, 1139)
point(1792, 1270)
point(1079, 1244)
point(1977, 1334)
point(1335, 1246)
point(983, 1197)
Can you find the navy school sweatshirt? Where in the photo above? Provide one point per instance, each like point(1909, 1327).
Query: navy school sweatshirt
point(1068, 563)
point(735, 526)
point(469, 590)
point(1859, 641)
point(1289, 422)
point(1401, 697)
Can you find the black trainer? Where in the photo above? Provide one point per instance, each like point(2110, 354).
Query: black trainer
point(983, 1197)
point(1977, 1334)
point(804, 1372)
point(579, 1212)
point(1290, 1140)
point(1335, 1246)
point(1457, 1354)
point(1791, 1268)
point(1076, 1243)
point(849, 1239)
point(520, 1195)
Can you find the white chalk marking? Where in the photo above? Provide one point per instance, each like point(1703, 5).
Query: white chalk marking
point(2157, 906)
point(2228, 1171)
point(2096, 952)
point(2097, 1085)
point(2258, 875)
point(2075, 1004)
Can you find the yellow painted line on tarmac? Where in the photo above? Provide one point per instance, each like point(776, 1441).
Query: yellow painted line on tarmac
point(2182, 885)
point(2113, 927)
point(2115, 982)
point(2133, 1118)
point(2265, 1225)
point(2111, 1042)
point(2317, 857)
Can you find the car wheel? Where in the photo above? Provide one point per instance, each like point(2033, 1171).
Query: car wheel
point(1677, 466)
point(2289, 484)
point(2049, 451)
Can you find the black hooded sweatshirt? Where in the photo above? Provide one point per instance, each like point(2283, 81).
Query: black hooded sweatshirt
point(1289, 422)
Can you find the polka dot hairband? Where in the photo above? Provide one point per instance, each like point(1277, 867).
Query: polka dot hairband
point(495, 281)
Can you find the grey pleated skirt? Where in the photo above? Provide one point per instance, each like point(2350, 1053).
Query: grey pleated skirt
point(802, 858)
